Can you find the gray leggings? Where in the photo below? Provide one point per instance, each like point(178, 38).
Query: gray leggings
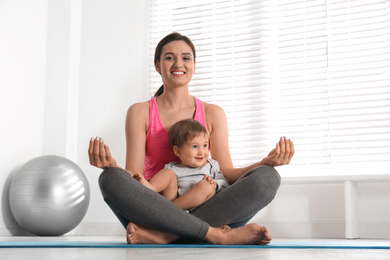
point(234, 206)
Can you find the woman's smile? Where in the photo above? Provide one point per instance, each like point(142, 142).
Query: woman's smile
point(178, 73)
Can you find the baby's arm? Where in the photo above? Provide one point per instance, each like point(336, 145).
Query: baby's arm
point(219, 178)
point(197, 195)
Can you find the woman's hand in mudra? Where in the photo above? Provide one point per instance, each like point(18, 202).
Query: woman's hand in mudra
point(282, 154)
point(100, 155)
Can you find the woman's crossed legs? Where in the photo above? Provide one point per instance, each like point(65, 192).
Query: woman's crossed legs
point(150, 218)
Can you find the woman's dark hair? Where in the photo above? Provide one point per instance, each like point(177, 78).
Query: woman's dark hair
point(167, 39)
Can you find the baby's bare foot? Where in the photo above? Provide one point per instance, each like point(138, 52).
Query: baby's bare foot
point(139, 177)
point(141, 235)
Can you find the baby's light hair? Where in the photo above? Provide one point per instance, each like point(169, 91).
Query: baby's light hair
point(185, 130)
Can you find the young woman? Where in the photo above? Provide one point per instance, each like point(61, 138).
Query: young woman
point(148, 216)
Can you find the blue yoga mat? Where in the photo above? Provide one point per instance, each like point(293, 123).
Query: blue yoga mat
point(86, 244)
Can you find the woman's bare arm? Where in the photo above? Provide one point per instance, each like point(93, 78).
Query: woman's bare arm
point(137, 121)
point(219, 146)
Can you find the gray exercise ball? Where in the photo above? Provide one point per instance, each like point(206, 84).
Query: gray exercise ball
point(49, 195)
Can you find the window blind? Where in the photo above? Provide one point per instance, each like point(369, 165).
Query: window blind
point(316, 71)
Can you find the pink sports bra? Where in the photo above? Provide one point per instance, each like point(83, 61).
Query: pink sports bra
point(158, 150)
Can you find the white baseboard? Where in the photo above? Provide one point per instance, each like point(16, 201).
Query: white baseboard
point(99, 229)
point(83, 229)
point(5, 232)
point(375, 230)
point(368, 230)
point(305, 229)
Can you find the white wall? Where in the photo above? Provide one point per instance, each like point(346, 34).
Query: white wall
point(112, 77)
point(69, 69)
point(23, 26)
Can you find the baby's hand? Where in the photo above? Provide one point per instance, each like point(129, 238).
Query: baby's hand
point(210, 180)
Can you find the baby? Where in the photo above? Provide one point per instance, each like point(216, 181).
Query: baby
point(194, 180)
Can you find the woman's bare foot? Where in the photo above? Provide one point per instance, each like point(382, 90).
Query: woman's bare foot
point(224, 228)
point(250, 234)
point(139, 177)
point(141, 235)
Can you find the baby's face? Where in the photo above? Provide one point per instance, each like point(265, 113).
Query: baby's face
point(195, 152)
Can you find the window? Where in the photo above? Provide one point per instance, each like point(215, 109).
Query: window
point(317, 71)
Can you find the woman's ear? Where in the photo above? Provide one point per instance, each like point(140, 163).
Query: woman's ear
point(176, 150)
point(157, 67)
point(194, 66)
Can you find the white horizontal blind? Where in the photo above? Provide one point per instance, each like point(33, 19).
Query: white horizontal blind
point(359, 81)
point(317, 71)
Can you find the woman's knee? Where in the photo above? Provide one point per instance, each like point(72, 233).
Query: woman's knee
point(265, 174)
point(264, 180)
point(109, 177)
point(272, 176)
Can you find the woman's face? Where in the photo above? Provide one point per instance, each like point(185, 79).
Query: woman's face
point(176, 64)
